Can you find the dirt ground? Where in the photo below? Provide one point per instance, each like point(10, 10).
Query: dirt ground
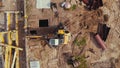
point(76, 22)
point(80, 22)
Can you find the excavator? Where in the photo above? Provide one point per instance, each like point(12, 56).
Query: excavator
point(62, 36)
point(59, 36)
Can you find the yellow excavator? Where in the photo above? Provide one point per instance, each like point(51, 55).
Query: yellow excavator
point(58, 37)
point(61, 37)
point(6, 40)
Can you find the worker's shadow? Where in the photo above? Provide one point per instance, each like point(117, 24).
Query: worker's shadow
point(92, 38)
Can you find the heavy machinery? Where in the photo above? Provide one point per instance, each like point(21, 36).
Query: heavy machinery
point(62, 36)
point(59, 36)
point(9, 39)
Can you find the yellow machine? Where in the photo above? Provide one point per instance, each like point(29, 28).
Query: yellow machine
point(67, 37)
point(61, 31)
point(62, 36)
point(11, 60)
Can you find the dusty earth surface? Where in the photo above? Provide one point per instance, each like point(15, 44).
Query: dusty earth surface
point(113, 42)
point(80, 22)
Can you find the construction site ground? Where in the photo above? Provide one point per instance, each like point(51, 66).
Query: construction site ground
point(80, 22)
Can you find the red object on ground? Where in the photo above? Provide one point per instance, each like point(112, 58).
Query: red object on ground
point(85, 1)
point(100, 41)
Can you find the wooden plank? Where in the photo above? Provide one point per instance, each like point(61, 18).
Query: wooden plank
point(6, 57)
point(13, 62)
point(17, 42)
point(14, 47)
